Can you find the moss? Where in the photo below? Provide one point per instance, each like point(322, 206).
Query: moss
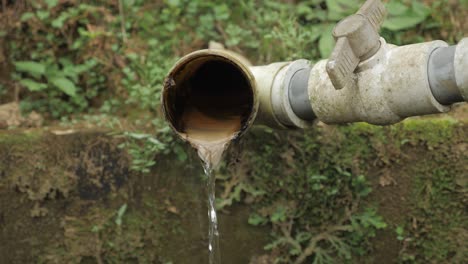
point(432, 132)
point(437, 231)
point(10, 138)
point(300, 186)
point(305, 182)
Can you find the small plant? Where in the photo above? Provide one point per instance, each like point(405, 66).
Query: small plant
point(400, 231)
point(314, 208)
point(56, 80)
point(145, 74)
point(403, 17)
point(54, 49)
point(120, 214)
point(144, 148)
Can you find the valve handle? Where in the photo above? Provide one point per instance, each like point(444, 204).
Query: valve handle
point(375, 12)
point(357, 39)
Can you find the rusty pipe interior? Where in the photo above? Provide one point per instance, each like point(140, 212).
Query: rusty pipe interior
point(209, 95)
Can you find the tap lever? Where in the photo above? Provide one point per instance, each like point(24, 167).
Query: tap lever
point(357, 39)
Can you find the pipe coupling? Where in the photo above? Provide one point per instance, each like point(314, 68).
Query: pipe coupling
point(461, 67)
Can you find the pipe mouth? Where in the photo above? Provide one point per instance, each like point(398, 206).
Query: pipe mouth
point(209, 95)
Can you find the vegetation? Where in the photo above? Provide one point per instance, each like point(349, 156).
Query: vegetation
point(103, 63)
point(71, 57)
point(313, 202)
point(320, 205)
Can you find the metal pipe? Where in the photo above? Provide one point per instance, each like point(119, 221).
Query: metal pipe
point(218, 82)
point(216, 86)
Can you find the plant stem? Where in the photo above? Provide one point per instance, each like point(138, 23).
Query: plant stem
point(122, 22)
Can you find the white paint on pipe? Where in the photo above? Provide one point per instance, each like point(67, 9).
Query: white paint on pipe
point(388, 87)
point(461, 67)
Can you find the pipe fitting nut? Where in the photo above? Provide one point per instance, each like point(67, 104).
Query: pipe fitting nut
point(280, 96)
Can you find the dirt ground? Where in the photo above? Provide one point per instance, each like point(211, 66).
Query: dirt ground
point(60, 198)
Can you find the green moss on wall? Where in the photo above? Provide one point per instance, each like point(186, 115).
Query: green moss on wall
point(332, 194)
point(313, 189)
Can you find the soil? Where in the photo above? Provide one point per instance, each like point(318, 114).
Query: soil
point(60, 196)
point(392, 187)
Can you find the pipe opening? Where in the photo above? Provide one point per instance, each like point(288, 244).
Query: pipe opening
point(209, 97)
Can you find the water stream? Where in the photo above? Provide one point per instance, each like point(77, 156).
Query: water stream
point(212, 107)
point(213, 234)
point(210, 136)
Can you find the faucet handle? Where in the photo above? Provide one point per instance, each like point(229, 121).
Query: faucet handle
point(375, 12)
point(357, 39)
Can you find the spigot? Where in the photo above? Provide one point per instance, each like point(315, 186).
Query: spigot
point(357, 39)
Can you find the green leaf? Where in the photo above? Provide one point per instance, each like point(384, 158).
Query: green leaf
point(403, 17)
point(255, 219)
point(396, 8)
point(400, 233)
point(26, 16)
point(326, 42)
point(65, 85)
point(51, 3)
point(303, 236)
point(59, 21)
point(401, 23)
point(173, 3)
point(322, 257)
point(339, 9)
point(137, 135)
point(279, 215)
point(180, 153)
point(120, 214)
point(42, 14)
point(318, 177)
point(340, 246)
point(221, 12)
point(399, 230)
point(32, 85)
point(421, 9)
point(314, 33)
point(30, 67)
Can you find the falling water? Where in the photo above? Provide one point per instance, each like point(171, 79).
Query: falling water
point(213, 234)
point(210, 136)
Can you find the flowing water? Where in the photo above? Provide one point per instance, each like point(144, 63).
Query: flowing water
point(210, 135)
point(208, 102)
point(213, 234)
